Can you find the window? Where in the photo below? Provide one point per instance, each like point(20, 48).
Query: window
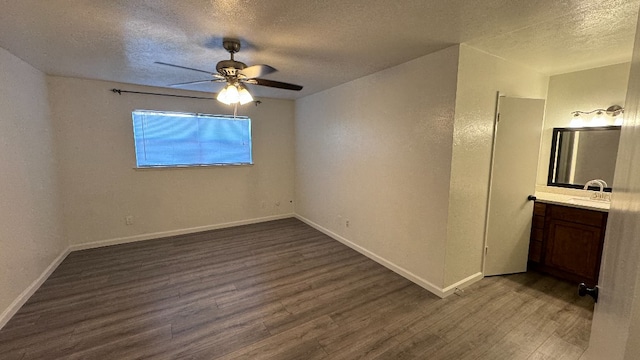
point(173, 139)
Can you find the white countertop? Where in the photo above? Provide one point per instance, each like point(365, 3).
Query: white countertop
point(569, 200)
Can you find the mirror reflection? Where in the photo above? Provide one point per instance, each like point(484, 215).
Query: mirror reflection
point(582, 154)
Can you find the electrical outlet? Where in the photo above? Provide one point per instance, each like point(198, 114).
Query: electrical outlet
point(347, 223)
point(128, 219)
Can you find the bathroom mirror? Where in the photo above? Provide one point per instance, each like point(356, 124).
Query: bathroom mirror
point(582, 154)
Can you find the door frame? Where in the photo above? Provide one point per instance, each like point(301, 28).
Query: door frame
point(489, 187)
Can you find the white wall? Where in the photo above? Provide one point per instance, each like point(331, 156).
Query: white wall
point(30, 235)
point(99, 185)
point(582, 90)
point(377, 151)
point(480, 77)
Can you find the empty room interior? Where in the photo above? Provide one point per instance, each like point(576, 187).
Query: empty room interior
point(416, 180)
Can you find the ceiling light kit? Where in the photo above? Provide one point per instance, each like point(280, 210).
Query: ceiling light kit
point(236, 75)
point(234, 93)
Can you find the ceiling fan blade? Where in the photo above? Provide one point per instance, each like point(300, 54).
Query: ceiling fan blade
point(275, 84)
point(186, 68)
point(257, 71)
point(192, 82)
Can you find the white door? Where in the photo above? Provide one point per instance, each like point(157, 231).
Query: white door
point(513, 179)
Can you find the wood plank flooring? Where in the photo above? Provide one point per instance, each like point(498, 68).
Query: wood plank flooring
point(282, 290)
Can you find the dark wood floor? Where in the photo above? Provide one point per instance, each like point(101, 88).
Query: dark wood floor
point(282, 290)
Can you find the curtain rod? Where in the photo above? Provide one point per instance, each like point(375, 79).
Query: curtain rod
point(120, 91)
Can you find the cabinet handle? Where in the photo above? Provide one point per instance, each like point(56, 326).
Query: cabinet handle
point(583, 290)
point(531, 198)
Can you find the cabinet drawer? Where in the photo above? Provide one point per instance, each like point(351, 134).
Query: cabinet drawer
point(575, 215)
point(539, 208)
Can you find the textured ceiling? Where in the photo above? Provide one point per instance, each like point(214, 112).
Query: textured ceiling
point(317, 44)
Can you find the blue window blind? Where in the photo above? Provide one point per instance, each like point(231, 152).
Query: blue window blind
point(172, 139)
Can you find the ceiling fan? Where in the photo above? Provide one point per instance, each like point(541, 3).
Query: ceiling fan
point(236, 75)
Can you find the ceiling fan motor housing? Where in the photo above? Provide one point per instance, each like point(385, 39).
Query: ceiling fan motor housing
point(230, 67)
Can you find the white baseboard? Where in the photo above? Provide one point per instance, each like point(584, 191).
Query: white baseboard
point(463, 283)
point(162, 234)
point(8, 313)
point(380, 260)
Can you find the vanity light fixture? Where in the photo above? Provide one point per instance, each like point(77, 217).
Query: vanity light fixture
point(599, 119)
point(615, 110)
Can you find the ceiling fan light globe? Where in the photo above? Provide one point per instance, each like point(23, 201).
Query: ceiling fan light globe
point(245, 96)
point(232, 94)
point(222, 96)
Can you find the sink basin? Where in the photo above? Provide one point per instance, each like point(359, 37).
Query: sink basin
point(591, 203)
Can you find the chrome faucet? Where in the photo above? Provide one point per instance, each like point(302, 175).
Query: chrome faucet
point(598, 182)
point(598, 195)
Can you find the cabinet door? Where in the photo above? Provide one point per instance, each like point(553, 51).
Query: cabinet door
point(574, 248)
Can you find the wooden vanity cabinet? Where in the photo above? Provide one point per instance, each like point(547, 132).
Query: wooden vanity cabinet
point(567, 242)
